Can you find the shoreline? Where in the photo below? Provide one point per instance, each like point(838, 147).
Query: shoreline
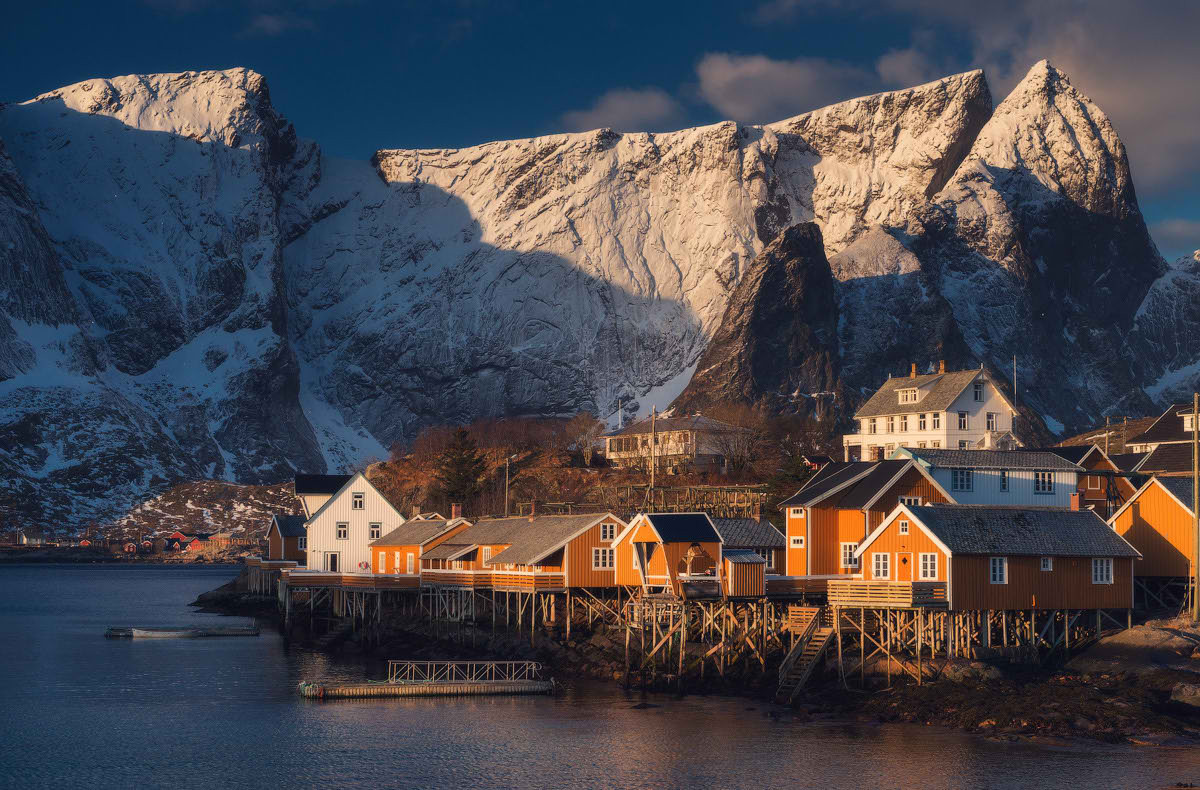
point(1077, 703)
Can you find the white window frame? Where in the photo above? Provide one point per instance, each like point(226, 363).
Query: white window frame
point(358, 501)
point(934, 445)
point(992, 421)
point(962, 480)
point(911, 501)
point(881, 565)
point(935, 420)
point(343, 530)
point(1043, 482)
point(1093, 482)
point(608, 531)
point(978, 391)
point(871, 425)
point(903, 526)
point(998, 570)
point(1047, 564)
point(410, 563)
point(964, 421)
point(921, 422)
point(769, 556)
point(374, 531)
point(797, 542)
point(891, 424)
point(602, 558)
point(485, 554)
point(904, 423)
point(929, 570)
point(1004, 480)
point(848, 560)
point(302, 543)
point(1102, 570)
point(796, 512)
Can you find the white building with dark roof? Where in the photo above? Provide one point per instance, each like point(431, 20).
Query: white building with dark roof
point(955, 410)
point(672, 443)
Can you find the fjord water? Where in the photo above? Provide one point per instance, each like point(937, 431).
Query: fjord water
point(84, 711)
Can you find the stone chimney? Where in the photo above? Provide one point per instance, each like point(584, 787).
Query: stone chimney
point(456, 510)
point(1075, 501)
point(913, 374)
point(941, 366)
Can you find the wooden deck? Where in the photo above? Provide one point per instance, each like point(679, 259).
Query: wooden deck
point(887, 594)
point(352, 581)
point(513, 581)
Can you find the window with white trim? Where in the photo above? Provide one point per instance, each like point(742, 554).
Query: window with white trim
point(1093, 482)
point(999, 570)
point(485, 554)
point(962, 480)
point(908, 396)
point(936, 420)
point(920, 422)
point(881, 565)
point(375, 531)
point(357, 501)
point(903, 527)
point(964, 445)
point(934, 445)
point(848, 558)
point(343, 531)
point(1047, 563)
point(929, 569)
point(302, 542)
point(796, 512)
point(769, 556)
point(1003, 479)
point(871, 425)
point(891, 423)
point(797, 541)
point(991, 420)
point(904, 423)
point(602, 559)
point(608, 531)
point(1102, 571)
point(963, 420)
point(1043, 482)
point(912, 501)
point(978, 392)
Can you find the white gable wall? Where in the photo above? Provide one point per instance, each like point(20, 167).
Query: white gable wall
point(977, 412)
point(985, 488)
point(355, 548)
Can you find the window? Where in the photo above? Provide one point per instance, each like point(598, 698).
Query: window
point(608, 531)
point(343, 531)
point(1043, 482)
point(769, 556)
point(1047, 563)
point(908, 396)
point(602, 559)
point(962, 421)
point(376, 529)
point(920, 445)
point(456, 565)
point(979, 392)
point(1102, 570)
point(962, 480)
point(920, 422)
point(928, 565)
point(934, 445)
point(903, 527)
point(911, 500)
point(1003, 479)
point(891, 448)
point(999, 567)
point(880, 565)
point(1093, 482)
point(904, 423)
point(936, 420)
point(357, 502)
point(848, 558)
point(891, 423)
point(485, 554)
point(991, 420)
point(797, 541)
point(796, 512)
point(635, 558)
point(871, 425)
point(410, 562)
point(964, 445)
point(302, 543)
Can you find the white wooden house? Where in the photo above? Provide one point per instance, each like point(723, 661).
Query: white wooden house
point(341, 530)
point(1000, 477)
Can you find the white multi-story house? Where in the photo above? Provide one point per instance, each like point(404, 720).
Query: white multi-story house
point(1028, 478)
point(340, 532)
point(956, 410)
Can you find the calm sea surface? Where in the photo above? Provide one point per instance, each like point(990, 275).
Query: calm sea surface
point(83, 711)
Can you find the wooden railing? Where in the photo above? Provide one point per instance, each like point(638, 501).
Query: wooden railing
point(887, 594)
point(462, 671)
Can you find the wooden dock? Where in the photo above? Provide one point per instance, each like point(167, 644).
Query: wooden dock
point(136, 632)
point(441, 679)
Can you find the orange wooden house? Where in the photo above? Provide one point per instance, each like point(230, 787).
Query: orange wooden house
point(1003, 558)
point(838, 508)
point(399, 552)
point(286, 539)
point(665, 551)
point(1158, 520)
point(550, 553)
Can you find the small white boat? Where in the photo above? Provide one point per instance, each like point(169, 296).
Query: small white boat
point(179, 633)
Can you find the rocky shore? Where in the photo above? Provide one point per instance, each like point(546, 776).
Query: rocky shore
point(1140, 686)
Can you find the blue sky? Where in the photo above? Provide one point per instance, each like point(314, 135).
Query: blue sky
point(358, 76)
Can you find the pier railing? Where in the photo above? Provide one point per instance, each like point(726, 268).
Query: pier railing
point(462, 671)
point(887, 594)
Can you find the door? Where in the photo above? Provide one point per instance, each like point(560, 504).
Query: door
point(331, 562)
point(904, 570)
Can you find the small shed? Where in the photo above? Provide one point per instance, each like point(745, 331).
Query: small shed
point(744, 573)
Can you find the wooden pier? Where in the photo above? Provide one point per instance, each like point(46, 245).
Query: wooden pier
point(442, 679)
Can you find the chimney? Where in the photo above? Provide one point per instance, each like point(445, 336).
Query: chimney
point(913, 374)
point(1075, 501)
point(941, 366)
point(455, 510)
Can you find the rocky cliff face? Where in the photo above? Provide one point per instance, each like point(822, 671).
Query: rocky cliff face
point(221, 300)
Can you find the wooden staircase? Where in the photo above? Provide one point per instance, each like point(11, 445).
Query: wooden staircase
point(816, 634)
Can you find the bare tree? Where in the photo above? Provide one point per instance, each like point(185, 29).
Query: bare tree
point(584, 430)
point(743, 441)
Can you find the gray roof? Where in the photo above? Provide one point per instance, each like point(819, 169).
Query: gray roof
point(831, 476)
point(748, 533)
point(695, 422)
point(939, 391)
point(1168, 458)
point(991, 459)
point(290, 526)
point(743, 556)
point(1022, 531)
point(444, 551)
point(414, 532)
point(528, 538)
point(871, 486)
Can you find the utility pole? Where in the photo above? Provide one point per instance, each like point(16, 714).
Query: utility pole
point(506, 460)
point(1196, 504)
point(653, 442)
point(1106, 431)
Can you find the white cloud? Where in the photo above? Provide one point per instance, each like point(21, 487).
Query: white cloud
point(755, 88)
point(628, 110)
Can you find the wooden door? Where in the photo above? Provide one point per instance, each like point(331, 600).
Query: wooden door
point(904, 568)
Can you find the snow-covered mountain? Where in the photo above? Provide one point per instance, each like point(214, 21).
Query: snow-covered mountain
point(188, 289)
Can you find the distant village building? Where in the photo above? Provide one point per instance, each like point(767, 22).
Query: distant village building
point(1167, 443)
point(32, 537)
point(672, 444)
point(956, 410)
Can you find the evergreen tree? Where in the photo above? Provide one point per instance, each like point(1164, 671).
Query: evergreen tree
point(460, 468)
